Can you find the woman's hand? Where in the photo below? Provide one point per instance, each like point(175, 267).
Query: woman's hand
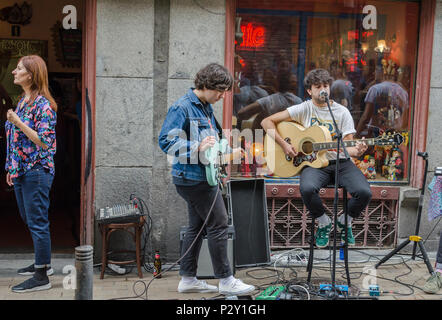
point(9, 180)
point(13, 117)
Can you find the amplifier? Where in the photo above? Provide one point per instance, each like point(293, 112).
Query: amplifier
point(205, 268)
point(120, 213)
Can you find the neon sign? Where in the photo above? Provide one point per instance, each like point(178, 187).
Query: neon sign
point(253, 36)
point(354, 61)
point(354, 35)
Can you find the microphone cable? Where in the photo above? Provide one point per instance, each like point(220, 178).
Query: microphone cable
point(146, 287)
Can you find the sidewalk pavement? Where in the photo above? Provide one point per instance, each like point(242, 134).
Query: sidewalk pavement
point(400, 278)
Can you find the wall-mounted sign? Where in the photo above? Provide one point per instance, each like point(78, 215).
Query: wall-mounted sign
point(17, 14)
point(67, 44)
point(253, 37)
point(11, 50)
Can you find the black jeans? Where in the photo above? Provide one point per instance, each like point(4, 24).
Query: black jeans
point(313, 179)
point(199, 199)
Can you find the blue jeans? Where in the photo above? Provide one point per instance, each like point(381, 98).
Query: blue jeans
point(199, 199)
point(32, 194)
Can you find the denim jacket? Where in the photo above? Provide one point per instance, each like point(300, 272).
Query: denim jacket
point(186, 125)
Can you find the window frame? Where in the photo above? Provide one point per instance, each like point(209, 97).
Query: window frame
point(421, 93)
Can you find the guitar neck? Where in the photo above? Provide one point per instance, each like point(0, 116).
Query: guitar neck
point(348, 143)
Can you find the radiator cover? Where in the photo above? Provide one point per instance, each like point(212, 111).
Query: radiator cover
point(289, 219)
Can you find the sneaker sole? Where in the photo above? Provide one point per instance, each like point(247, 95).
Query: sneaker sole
point(39, 288)
point(198, 291)
point(228, 293)
point(321, 247)
point(49, 272)
point(430, 291)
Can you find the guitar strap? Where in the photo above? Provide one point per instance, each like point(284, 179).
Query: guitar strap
point(219, 128)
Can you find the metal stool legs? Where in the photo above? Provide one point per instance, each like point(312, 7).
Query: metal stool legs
point(310, 256)
point(345, 245)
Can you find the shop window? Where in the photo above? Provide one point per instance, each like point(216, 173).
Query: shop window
point(370, 51)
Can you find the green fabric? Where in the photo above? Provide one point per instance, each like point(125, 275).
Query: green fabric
point(351, 239)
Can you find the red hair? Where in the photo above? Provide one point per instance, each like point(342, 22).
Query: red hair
point(36, 66)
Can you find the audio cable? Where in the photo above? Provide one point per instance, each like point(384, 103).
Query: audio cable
point(146, 287)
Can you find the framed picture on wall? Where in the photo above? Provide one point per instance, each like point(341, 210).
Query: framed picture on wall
point(67, 43)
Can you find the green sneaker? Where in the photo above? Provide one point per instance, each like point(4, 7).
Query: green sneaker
point(322, 235)
point(434, 283)
point(350, 238)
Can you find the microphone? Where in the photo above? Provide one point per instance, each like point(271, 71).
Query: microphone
point(323, 93)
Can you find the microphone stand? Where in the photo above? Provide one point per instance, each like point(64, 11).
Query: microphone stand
point(333, 293)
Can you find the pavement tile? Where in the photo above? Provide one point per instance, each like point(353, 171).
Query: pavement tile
point(131, 287)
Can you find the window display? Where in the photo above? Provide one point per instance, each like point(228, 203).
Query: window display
point(370, 51)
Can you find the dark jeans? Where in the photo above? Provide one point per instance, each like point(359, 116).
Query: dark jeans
point(439, 251)
point(32, 194)
point(199, 199)
point(313, 179)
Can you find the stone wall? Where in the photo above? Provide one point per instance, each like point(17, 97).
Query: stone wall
point(410, 198)
point(148, 52)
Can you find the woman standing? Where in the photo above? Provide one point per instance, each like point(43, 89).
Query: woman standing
point(30, 133)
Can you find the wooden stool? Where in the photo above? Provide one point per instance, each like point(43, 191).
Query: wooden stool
point(345, 246)
point(106, 231)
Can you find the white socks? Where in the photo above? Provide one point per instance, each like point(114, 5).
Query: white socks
point(324, 220)
point(341, 219)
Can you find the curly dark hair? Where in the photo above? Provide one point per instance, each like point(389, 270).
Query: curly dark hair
point(214, 77)
point(317, 76)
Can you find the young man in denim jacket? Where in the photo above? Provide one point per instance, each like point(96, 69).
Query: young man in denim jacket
point(188, 130)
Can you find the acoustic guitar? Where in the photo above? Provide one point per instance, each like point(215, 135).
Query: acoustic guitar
point(312, 145)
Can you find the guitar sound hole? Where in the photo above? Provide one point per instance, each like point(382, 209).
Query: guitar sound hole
point(307, 147)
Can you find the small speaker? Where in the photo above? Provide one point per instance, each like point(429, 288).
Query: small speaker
point(205, 268)
point(248, 208)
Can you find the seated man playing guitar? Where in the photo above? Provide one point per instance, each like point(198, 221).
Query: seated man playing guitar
point(189, 130)
point(315, 112)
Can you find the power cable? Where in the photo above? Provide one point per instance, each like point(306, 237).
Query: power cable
point(146, 287)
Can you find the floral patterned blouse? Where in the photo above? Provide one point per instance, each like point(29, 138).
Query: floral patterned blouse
point(21, 153)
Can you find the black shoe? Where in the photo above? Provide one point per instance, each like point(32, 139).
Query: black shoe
point(32, 284)
point(30, 270)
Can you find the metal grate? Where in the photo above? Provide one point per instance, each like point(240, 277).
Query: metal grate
point(289, 220)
